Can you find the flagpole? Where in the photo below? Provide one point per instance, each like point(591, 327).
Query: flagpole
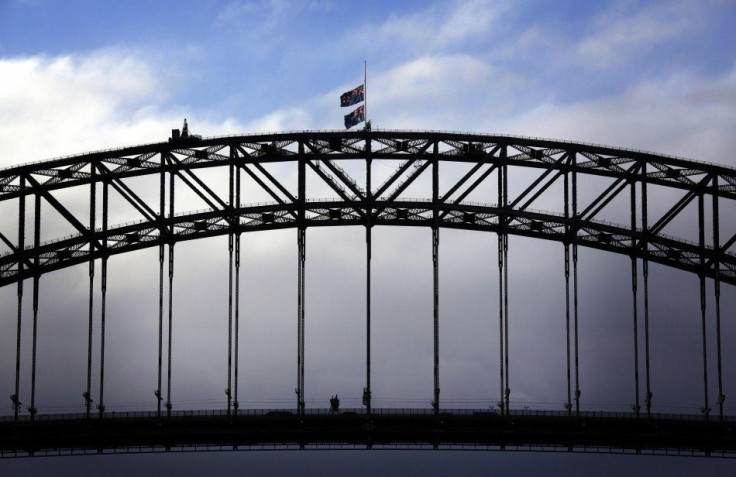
point(365, 93)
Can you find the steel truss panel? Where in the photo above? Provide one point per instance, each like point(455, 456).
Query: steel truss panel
point(414, 152)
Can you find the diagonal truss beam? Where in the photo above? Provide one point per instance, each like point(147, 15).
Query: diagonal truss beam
point(341, 192)
point(60, 208)
point(275, 182)
point(345, 178)
point(538, 181)
point(611, 192)
point(470, 189)
point(14, 249)
point(676, 209)
point(130, 196)
point(412, 177)
point(242, 165)
point(201, 185)
point(394, 177)
point(469, 174)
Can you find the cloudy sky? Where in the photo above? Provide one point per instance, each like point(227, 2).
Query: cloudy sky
point(85, 75)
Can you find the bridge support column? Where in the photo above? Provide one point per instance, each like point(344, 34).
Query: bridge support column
point(501, 247)
point(170, 231)
point(15, 398)
point(157, 392)
point(568, 403)
point(368, 242)
point(573, 160)
point(228, 390)
point(634, 274)
point(301, 234)
point(436, 275)
point(92, 202)
point(301, 242)
point(230, 266)
point(575, 321)
point(701, 275)
point(717, 293)
point(36, 278)
point(103, 297)
point(236, 405)
point(566, 245)
point(503, 299)
point(237, 319)
point(645, 277)
point(162, 208)
point(436, 266)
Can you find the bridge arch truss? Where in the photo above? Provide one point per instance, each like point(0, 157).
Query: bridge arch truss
point(292, 170)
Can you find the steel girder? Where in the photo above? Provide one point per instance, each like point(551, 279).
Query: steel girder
point(414, 153)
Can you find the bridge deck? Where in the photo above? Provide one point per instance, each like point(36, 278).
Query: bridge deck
point(143, 432)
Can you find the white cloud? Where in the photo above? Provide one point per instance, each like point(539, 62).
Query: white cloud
point(682, 115)
point(287, 119)
point(438, 27)
point(72, 104)
point(430, 77)
point(236, 11)
point(438, 92)
point(625, 31)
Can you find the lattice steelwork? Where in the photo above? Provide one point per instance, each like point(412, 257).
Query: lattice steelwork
point(488, 162)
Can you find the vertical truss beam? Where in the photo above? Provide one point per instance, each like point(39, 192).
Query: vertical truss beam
point(230, 264)
point(566, 245)
point(717, 293)
point(36, 278)
point(301, 258)
point(103, 295)
point(301, 243)
point(162, 209)
point(573, 160)
point(92, 202)
point(368, 251)
point(236, 220)
point(436, 282)
point(170, 233)
point(701, 276)
point(634, 274)
point(644, 245)
point(503, 281)
point(15, 398)
point(505, 205)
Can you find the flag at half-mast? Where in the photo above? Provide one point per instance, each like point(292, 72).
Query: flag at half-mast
point(355, 117)
point(352, 97)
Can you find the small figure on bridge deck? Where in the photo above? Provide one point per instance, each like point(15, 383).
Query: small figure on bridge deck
point(334, 404)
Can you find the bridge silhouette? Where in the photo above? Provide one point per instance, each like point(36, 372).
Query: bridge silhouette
point(541, 189)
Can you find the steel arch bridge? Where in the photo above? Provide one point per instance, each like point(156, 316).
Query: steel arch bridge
point(291, 170)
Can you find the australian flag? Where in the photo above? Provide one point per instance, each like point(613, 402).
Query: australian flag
point(355, 117)
point(352, 97)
